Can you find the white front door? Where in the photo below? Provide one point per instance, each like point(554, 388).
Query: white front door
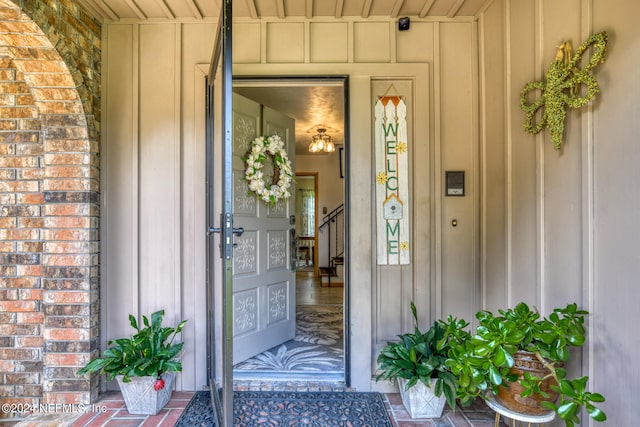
point(264, 305)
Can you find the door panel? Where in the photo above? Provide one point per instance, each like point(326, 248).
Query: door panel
point(263, 285)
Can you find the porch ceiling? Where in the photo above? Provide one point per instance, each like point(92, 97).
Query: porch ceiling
point(116, 10)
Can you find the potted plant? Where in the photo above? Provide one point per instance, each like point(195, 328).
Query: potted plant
point(417, 363)
point(505, 348)
point(144, 364)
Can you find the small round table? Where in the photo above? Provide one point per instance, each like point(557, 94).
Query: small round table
point(515, 416)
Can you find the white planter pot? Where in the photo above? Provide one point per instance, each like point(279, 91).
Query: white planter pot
point(420, 400)
point(141, 398)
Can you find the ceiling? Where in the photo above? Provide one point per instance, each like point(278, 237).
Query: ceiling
point(116, 10)
point(312, 105)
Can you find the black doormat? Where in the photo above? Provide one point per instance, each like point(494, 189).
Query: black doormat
point(276, 408)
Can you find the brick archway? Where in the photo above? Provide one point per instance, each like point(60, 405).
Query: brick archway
point(49, 245)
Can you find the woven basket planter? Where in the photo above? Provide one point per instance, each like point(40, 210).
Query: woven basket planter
point(420, 401)
point(141, 398)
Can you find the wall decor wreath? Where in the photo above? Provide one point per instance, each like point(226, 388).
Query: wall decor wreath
point(269, 189)
point(562, 88)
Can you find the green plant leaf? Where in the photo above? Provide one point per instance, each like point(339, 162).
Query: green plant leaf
point(596, 413)
point(494, 376)
point(567, 410)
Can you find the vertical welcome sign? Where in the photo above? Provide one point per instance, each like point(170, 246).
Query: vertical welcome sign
point(392, 181)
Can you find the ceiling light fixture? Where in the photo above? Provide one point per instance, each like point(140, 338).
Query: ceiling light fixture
point(322, 142)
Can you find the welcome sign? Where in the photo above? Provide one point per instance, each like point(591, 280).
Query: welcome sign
point(392, 181)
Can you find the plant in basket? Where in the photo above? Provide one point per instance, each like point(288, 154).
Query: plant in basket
point(519, 357)
point(145, 364)
point(417, 362)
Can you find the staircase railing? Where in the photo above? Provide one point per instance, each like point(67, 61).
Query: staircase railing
point(333, 223)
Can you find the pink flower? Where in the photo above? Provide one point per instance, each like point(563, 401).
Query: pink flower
point(159, 384)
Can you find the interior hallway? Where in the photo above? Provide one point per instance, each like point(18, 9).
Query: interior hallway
point(310, 292)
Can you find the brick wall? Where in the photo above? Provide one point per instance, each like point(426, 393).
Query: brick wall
point(49, 202)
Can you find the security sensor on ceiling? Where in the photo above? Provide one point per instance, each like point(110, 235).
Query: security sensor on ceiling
point(403, 24)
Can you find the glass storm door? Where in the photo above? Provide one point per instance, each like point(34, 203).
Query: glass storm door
point(220, 222)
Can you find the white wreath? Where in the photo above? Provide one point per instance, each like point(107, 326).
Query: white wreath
point(272, 147)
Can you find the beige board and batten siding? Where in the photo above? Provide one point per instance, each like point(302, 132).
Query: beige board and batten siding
point(561, 226)
point(154, 206)
point(153, 182)
point(378, 56)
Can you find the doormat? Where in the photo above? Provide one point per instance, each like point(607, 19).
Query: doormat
point(316, 349)
point(274, 408)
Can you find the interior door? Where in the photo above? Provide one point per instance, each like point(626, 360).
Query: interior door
point(264, 292)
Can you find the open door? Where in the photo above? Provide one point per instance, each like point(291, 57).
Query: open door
point(220, 221)
point(264, 294)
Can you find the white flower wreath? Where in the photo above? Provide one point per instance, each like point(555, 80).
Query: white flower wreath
point(261, 148)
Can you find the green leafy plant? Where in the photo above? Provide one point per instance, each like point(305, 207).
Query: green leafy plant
point(483, 363)
point(149, 352)
point(419, 356)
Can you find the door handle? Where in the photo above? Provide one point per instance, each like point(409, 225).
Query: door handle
point(237, 231)
point(226, 233)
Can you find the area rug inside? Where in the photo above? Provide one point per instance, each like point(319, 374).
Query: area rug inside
point(275, 408)
point(316, 349)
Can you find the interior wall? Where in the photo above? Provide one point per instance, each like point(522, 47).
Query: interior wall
point(561, 226)
point(330, 190)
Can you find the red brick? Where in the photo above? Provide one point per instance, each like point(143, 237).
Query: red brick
point(67, 297)
point(78, 146)
point(30, 341)
point(20, 282)
point(30, 174)
point(66, 334)
point(18, 306)
point(66, 260)
point(18, 162)
point(67, 209)
point(68, 247)
point(7, 365)
point(31, 318)
point(30, 246)
point(19, 234)
point(61, 398)
point(62, 359)
point(75, 184)
point(30, 40)
point(30, 222)
point(30, 294)
point(24, 100)
point(68, 234)
point(59, 107)
point(63, 94)
point(19, 186)
point(8, 124)
point(7, 246)
point(29, 270)
point(67, 222)
point(8, 222)
point(19, 354)
point(31, 199)
point(68, 172)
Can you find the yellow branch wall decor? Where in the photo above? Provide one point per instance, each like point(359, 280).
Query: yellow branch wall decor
point(562, 88)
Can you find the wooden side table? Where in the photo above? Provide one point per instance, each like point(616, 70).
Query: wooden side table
point(514, 417)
